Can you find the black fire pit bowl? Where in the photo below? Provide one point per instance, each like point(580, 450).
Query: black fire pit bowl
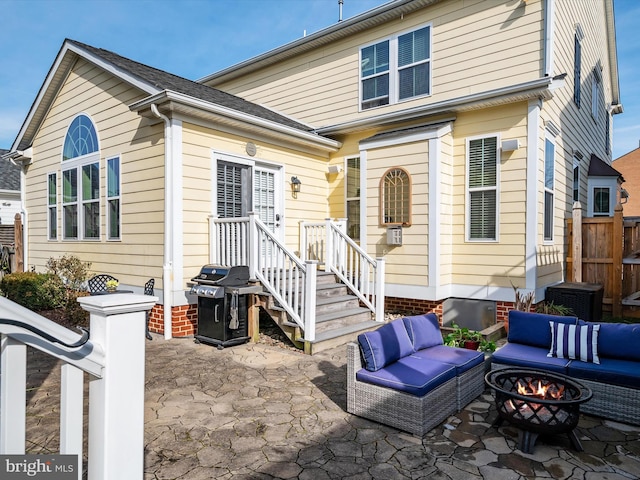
point(534, 415)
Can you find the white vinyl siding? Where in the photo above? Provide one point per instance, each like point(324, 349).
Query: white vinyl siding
point(396, 69)
point(482, 189)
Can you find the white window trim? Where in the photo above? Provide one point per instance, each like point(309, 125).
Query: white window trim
point(77, 164)
point(549, 136)
point(117, 197)
point(468, 191)
point(55, 205)
point(596, 89)
point(393, 67)
point(346, 198)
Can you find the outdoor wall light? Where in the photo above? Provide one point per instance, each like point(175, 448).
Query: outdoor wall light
point(295, 185)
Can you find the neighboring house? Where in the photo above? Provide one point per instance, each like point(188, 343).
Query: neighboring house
point(9, 197)
point(629, 166)
point(453, 136)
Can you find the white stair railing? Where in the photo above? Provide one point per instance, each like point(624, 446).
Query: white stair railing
point(363, 275)
point(290, 281)
point(114, 359)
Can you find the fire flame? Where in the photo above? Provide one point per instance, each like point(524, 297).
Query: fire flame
point(540, 390)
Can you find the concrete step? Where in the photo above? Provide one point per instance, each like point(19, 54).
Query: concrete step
point(341, 318)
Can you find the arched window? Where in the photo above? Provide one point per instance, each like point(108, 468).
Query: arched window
point(81, 138)
point(81, 181)
point(395, 197)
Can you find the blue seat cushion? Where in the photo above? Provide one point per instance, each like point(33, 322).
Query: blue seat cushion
point(423, 330)
point(533, 328)
point(385, 345)
point(461, 358)
point(410, 375)
point(619, 340)
point(612, 371)
point(527, 356)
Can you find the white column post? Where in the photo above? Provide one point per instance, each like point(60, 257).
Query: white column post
point(253, 246)
point(329, 254)
point(13, 395)
point(379, 290)
point(71, 406)
point(116, 413)
point(303, 240)
point(310, 300)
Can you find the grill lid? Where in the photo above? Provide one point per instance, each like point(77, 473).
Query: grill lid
point(226, 276)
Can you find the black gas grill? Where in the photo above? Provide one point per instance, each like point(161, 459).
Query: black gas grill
point(222, 308)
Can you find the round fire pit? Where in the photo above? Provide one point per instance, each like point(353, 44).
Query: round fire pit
point(537, 403)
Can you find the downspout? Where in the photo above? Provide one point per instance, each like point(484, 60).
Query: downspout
point(167, 267)
point(549, 37)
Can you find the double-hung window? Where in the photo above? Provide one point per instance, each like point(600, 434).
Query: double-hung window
point(113, 198)
point(549, 167)
point(482, 189)
point(396, 69)
point(81, 181)
point(52, 206)
point(353, 197)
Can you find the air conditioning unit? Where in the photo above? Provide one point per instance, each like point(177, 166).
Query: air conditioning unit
point(394, 235)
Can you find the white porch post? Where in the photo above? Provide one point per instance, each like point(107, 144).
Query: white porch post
point(13, 396)
point(252, 244)
point(116, 415)
point(379, 290)
point(310, 301)
point(329, 254)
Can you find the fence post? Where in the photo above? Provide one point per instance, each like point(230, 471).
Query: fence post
point(116, 413)
point(19, 244)
point(577, 242)
point(618, 244)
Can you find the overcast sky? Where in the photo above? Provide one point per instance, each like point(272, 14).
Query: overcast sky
point(193, 38)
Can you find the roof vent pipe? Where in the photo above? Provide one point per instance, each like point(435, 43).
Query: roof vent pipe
point(340, 3)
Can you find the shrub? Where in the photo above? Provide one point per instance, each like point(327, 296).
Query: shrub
point(73, 311)
point(73, 271)
point(35, 291)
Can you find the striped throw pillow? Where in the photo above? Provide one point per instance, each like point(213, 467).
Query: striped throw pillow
point(575, 342)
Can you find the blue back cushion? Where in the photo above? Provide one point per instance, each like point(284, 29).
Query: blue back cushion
point(423, 330)
point(533, 328)
point(385, 345)
point(619, 340)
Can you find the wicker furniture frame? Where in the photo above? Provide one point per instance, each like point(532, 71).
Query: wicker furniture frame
point(404, 411)
point(470, 385)
point(613, 402)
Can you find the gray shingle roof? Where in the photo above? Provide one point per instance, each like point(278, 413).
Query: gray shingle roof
point(167, 81)
point(599, 168)
point(9, 174)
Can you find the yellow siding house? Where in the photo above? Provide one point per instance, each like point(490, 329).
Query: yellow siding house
point(447, 140)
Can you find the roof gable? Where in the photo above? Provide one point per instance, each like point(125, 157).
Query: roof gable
point(148, 79)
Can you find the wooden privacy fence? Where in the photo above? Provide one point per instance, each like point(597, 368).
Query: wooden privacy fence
point(607, 251)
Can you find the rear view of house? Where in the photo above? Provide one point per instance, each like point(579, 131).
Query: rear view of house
point(452, 136)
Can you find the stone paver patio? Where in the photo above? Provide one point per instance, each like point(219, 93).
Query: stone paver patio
point(257, 411)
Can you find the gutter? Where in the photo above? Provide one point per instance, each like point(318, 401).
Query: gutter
point(539, 88)
point(167, 267)
point(307, 137)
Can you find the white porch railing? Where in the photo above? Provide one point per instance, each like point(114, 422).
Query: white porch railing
point(292, 280)
point(114, 359)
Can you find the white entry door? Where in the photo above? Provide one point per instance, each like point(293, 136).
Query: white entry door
point(267, 199)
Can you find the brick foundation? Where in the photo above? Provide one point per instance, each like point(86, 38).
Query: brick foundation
point(412, 305)
point(183, 320)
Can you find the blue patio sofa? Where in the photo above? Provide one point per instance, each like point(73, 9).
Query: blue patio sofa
point(607, 360)
point(402, 375)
